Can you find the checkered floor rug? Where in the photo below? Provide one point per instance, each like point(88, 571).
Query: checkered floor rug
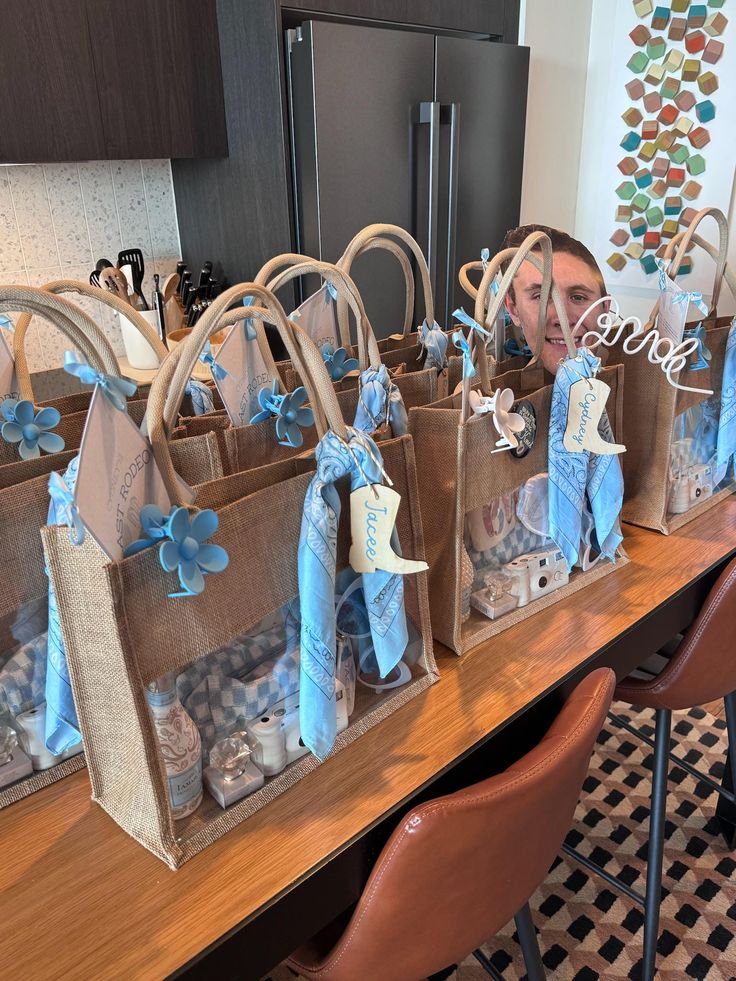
point(586, 931)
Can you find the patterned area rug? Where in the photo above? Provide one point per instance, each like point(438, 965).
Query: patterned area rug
point(587, 931)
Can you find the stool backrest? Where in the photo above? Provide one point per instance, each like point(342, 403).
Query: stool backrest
point(460, 867)
point(703, 667)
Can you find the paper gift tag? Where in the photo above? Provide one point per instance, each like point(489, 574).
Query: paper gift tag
point(317, 317)
point(246, 375)
point(8, 380)
point(587, 400)
point(117, 475)
point(372, 516)
point(672, 313)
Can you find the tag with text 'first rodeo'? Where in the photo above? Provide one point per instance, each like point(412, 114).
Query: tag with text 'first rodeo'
point(117, 475)
point(317, 317)
point(372, 516)
point(246, 375)
point(587, 400)
point(8, 380)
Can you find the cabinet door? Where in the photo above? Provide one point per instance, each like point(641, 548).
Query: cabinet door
point(49, 108)
point(355, 92)
point(159, 78)
point(487, 84)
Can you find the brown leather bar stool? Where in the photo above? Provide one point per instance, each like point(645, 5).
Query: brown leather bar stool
point(459, 868)
point(702, 669)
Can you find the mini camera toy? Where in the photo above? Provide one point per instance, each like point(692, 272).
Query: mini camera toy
point(690, 488)
point(537, 573)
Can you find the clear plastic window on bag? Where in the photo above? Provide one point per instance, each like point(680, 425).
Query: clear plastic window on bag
point(695, 474)
point(513, 560)
point(229, 725)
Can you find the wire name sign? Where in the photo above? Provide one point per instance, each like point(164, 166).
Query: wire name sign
point(670, 356)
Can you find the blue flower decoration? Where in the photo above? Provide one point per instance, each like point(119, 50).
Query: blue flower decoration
point(290, 416)
point(337, 362)
point(30, 428)
point(183, 545)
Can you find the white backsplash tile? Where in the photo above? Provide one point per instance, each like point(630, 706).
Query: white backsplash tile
point(57, 220)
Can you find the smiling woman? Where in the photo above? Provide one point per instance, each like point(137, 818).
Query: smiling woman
point(578, 279)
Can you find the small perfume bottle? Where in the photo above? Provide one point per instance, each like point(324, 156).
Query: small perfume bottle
point(180, 745)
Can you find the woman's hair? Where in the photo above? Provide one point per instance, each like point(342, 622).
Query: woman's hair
point(561, 242)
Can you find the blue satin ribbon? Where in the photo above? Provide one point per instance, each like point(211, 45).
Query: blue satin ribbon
point(317, 557)
point(572, 475)
point(727, 421)
point(461, 343)
point(702, 354)
point(250, 331)
point(485, 255)
point(7, 323)
point(331, 290)
point(696, 298)
point(380, 401)
point(433, 341)
point(206, 357)
point(117, 390)
point(63, 510)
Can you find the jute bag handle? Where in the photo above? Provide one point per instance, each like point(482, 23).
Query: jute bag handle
point(464, 279)
point(684, 239)
point(167, 388)
point(517, 256)
point(372, 233)
point(729, 277)
point(74, 323)
point(94, 293)
point(368, 353)
point(271, 270)
point(388, 245)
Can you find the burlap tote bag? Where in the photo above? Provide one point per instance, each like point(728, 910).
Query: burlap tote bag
point(670, 472)
point(491, 559)
point(122, 632)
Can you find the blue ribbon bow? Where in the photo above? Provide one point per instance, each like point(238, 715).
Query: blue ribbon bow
point(484, 257)
point(380, 401)
point(317, 557)
point(117, 390)
point(572, 475)
point(206, 357)
point(461, 343)
point(250, 331)
point(695, 297)
point(63, 510)
point(433, 341)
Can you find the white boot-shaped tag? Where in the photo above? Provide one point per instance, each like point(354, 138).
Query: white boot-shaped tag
point(587, 402)
point(372, 516)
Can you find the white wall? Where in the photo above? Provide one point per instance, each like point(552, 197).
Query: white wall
point(558, 34)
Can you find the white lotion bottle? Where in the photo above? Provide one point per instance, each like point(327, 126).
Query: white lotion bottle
point(180, 745)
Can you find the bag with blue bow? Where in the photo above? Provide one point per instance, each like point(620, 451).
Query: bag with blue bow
point(235, 551)
point(680, 425)
point(490, 461)
point(375, 397)
point(413, 349)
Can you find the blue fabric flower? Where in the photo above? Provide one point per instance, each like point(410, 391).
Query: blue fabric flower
point(183, 545)
point(337, 362)
point(30, 428)
point(290, 416)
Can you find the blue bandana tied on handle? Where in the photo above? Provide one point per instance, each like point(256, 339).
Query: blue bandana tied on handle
point(317, 557)
point(380, 401)
point(572, 475)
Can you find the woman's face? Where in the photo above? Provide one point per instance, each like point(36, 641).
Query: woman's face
point(579, 287)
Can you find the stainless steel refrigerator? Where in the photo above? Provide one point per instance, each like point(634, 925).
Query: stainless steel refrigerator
point(400, 126)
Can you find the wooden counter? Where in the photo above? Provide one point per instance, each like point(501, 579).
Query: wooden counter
point(79, 899)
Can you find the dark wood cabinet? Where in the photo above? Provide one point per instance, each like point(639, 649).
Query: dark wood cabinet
point(100, 79)
point(159, 79)
point(49, 108)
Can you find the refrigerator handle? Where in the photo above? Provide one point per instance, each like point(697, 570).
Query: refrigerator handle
point(450, 116)
point(429, 113)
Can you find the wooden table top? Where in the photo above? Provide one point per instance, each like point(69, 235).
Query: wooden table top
point(80, 899)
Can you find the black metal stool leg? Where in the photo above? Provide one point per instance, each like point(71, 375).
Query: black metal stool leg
point(529, 945)
point(656, 841)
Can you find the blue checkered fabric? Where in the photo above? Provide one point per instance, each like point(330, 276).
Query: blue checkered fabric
point(23, 677)
point(238, 682)
point(519, 541)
